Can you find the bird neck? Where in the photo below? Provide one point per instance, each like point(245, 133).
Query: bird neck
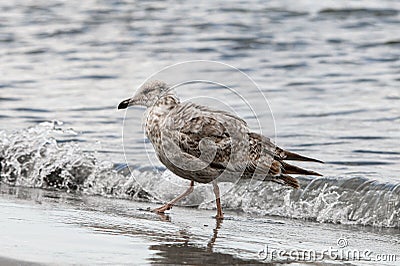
point(164, 104)
point(156, 114)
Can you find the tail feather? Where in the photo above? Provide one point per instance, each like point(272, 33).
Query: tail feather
point(288, 180)
point(292, 169)
point(287, 155)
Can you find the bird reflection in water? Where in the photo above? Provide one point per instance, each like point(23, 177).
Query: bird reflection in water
point(187, 251)
point(218, 222)
point(210, 245)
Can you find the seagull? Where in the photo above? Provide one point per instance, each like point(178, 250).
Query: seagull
point(206, 145)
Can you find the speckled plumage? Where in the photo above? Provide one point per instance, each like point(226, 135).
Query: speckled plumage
point(202, 144)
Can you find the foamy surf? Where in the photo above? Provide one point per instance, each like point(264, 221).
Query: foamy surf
point(43, 156)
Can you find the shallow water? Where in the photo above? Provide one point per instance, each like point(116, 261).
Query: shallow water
point(94, 230)
point(329, 70)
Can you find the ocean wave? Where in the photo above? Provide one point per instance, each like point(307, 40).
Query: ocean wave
point(40, 157)
point(353, 200)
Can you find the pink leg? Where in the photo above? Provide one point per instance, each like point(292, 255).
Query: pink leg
point(169, 205)
point(220, 214)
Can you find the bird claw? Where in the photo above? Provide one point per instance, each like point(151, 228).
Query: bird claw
point(163, 208)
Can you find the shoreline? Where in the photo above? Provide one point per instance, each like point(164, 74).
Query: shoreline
point(5, 261)
point(48, 227)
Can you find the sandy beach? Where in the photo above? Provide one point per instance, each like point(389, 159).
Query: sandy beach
point(45, 227)
point(12, 262)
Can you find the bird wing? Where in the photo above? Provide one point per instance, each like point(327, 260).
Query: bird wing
point(263, 159)
point(215, 137)
point(221, 140)
point(267, 158)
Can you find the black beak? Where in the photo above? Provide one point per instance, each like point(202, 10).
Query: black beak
point(124, 104)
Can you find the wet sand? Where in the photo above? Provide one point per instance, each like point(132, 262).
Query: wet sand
point(11, 262)
point(51, 228)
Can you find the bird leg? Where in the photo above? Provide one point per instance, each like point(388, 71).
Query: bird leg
point(169, 205)
point(220, 214)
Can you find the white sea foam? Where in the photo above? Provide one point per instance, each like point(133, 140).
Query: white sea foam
point(41, 156)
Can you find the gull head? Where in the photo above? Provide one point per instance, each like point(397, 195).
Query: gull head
point(147, 95)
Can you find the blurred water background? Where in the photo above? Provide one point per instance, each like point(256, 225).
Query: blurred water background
point(330, 71)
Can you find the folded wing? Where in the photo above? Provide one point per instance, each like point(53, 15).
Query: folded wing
point(223, 141)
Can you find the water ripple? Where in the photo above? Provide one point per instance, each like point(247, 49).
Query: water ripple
point(338, 113)
point(358, 12)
